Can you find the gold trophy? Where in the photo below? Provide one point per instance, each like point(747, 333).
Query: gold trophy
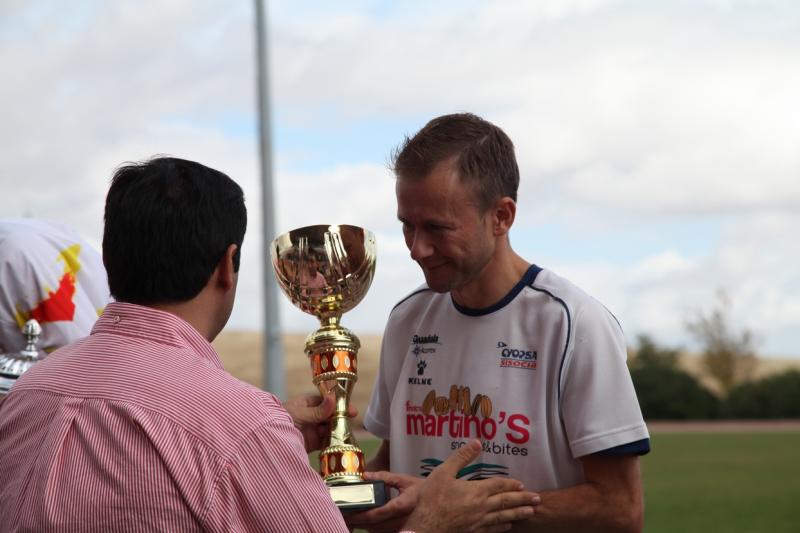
point(326, 271)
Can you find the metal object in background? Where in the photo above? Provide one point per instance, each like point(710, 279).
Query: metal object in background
point(272, 373)
point(13, 365)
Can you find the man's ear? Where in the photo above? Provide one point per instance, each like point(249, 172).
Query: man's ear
point(503, 214)
point(226, 273)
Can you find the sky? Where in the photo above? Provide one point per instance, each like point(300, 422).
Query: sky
point(658, 141)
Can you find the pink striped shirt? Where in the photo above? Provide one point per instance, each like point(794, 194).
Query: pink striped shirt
point(138, 428)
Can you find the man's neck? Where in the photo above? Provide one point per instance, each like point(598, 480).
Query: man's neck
point(195, 313)
point(493, 283)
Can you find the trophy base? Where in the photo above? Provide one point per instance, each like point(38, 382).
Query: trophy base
point(361, 496)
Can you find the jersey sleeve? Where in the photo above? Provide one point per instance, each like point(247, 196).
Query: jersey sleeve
point(268, 485)
point(597, 400)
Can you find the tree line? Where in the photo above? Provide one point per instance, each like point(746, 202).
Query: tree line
point(667, 391)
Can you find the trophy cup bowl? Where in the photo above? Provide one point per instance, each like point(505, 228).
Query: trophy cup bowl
point(326, 271)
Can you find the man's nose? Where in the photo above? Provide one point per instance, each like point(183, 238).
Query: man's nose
point(419, 246)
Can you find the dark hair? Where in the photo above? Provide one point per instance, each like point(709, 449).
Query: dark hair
point(481, 152)
point(168, 222)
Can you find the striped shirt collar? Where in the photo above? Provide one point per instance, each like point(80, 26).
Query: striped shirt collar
point(132, 320)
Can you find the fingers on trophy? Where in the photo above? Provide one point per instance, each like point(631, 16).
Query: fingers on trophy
point(326, 271)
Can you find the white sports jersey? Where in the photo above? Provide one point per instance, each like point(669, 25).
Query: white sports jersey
point(540, 378)
point(48, 272)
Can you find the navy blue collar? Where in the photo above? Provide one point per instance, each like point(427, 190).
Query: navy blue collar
point(527, 280)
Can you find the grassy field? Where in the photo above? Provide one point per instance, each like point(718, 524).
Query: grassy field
point(743, 482)
point(732, 482)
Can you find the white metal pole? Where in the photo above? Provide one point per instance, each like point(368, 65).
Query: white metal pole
point(272, 375)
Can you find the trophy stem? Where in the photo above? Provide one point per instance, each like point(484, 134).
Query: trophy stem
point(332, 352)
point(331, 322)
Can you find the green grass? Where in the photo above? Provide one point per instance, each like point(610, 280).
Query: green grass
point(732, 482)
point(716, 482)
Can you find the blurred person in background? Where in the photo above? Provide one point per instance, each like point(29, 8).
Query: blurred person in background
point(50, 273)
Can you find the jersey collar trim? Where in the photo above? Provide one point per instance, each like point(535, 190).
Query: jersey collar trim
point(527, 280)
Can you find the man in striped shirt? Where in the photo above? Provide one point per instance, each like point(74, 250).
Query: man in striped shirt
point(137, 427)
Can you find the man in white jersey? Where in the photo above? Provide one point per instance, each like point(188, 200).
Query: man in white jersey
point(495, 348)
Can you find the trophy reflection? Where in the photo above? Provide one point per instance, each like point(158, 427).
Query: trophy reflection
point(326, 271)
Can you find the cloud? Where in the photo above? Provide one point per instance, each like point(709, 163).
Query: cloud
point(659, 293)
point(628, 117)
point(360, 194)
point(645, 109)
point(85, 86)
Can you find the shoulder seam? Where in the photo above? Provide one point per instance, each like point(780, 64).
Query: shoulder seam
point(566, 344)
point(418, 291)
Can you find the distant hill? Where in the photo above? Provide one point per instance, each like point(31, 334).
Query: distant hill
point(241, 353)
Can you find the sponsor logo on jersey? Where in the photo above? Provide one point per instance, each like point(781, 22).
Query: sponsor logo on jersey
point(520, 358)
point(425, 339)
point(419, 379)
point(459, 415)
point(419, 349)
point(475, 471)
point(419, 342)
